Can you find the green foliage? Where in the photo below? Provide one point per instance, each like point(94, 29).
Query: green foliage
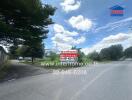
point(81, 54)
point(54, 56)
point(128, 52)
point(94, 56)
point(86, 59)
point(24, 19)
point(4, 69)
point(25, 22)
point(105, 54)
point(32, 51)
point(21, 51)
point(114, 52)
point(13, 50)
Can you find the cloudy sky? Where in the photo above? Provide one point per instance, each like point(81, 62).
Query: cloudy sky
point(88, 24)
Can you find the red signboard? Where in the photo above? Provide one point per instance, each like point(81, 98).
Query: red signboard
point(117, 11)
point(70, 54)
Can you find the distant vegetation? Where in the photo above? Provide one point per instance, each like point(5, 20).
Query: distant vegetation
point(128, 52)
point(112, 53)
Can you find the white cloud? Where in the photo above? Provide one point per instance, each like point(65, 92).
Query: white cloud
point(70, 5)
point(114, 25)
point(80, 40)
point(65, 39)
point(60, 29)
point(116, 38)
point(121, 38)
point(80, 23)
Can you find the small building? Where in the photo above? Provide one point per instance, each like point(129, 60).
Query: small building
point(117, 10)
point(3, 55)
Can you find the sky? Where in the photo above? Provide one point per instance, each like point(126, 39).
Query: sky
point(88, 24)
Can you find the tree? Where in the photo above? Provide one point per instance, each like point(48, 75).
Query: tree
point(128, 52)
point(21, 51)
point(25, 22)
point(54, 56)
point(80, 54)
point(24, 19)
point(30, 51)
point(94, 56)
point(13, 52)
point(114, 52)
point(105, 54)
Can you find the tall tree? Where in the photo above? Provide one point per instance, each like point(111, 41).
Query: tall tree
point(128, 52)
point(13, 52)
point(24, 19)
point(25, 22)
point(113, 52)
point(105, 54)
point(94, 56)
point(80, 54)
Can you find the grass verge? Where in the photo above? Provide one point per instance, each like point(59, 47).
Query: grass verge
point(4, 70)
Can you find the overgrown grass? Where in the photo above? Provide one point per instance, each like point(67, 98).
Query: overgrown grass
point(4, 69)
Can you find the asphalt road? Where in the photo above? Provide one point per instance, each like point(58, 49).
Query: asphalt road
point(111, 81)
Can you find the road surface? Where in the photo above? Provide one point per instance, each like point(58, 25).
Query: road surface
point(111, 81)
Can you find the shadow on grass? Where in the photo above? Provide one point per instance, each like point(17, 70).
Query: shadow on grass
point(4, 70)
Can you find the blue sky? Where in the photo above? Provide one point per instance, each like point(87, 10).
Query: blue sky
point(87, 24)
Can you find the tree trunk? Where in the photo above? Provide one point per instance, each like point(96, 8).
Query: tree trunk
point(32, 60)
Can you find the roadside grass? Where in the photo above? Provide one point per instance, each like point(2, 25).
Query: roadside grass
point(4, 69)
point(47, 64)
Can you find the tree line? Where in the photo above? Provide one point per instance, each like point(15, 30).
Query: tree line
point(112, 53)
